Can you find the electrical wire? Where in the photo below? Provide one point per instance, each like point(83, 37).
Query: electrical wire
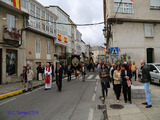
point(118, 9)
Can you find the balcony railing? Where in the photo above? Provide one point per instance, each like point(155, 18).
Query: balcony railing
point(11, 34)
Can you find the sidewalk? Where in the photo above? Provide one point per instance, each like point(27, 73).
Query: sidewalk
point(135, 111)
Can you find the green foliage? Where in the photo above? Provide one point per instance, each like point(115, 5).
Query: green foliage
point(123, 58)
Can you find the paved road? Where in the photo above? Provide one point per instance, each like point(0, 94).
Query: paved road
point(77, 101)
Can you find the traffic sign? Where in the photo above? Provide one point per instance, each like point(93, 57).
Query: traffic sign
point(114, 51)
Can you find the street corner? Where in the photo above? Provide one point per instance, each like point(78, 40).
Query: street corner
point(3, 96)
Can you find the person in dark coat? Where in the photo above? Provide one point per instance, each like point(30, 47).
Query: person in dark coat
point(126, 76)
point(39, 70)
point(83, 69)
point(52, 66)
point(59, 72)
point(69, 72)
point(146, 79)
point(24, 76)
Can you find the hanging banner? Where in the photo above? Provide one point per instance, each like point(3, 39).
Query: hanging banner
point(65, 40)
point(17, 4)
point(75, 62)
point(59, 37)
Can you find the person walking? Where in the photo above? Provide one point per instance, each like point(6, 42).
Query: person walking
point(146, 79)
point(83, 72)
point(38, 71)
point(104, 73)
point(24, 76)
point(30, 76)
point(59, 72)
point(48, 77)
point(134, 70)
point(126, 76)
point(69, 72)
point(52, 66)
point(111, 76)
point(43, 69)
point(99, 67)
point(77, 74)
point(117, 82)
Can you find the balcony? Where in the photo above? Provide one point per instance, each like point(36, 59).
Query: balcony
point(11, 34)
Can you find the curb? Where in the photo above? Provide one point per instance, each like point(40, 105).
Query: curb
point(3, 96)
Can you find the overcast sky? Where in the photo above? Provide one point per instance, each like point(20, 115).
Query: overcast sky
point(83, 11)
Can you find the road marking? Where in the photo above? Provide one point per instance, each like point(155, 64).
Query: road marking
point(90, 80)
point(97, 77)
point(94, 97)
point(74, 78)
point(90, 77)
point(65, 78)
point(7, 101)
point(90, 116)
point(95, 88)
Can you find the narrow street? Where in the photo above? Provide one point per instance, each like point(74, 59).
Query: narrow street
point(77, 101)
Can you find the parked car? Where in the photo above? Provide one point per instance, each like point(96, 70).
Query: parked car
point(154, 71)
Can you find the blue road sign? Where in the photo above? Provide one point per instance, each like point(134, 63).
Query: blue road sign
point(114, 51)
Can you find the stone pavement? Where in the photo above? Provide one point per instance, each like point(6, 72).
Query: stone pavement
point(7, 88)
point(135, 111)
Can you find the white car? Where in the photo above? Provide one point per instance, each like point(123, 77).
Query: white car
point(154, 72)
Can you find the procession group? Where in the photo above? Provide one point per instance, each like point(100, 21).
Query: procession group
point(47, 74)
point(121, 77)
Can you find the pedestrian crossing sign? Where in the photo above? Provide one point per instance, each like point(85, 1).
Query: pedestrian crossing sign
point(114, 51)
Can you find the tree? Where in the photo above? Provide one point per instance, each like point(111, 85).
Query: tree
point(123, 58)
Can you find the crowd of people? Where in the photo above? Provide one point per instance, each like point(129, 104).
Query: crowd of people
point(120, 75)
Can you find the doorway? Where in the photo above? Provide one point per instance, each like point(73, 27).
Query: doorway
point(150, 55)
point(0, 66)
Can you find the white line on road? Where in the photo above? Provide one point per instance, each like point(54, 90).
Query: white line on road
point(95, 88)
point(94, 97)
point(90, 116)
point(97, 77)
point(90, 77)
point(90, 80)
point(7, 101)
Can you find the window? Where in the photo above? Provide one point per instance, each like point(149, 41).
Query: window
point(124, 7)
point(38, 16)
point(10, 21)
point(51, 24)
point(148, 30)
point(55, 49)
point(47, 22)
point(48, 47)
point(61, 50)
point(32, 9)
point(24, 4)
point(152, 68)
point(11, 62)
point(43, 21)
point(155, 4)
point(38, 48)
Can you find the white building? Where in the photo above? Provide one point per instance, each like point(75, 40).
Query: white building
point(135, 29)
point(61, 42)
point(78, 43)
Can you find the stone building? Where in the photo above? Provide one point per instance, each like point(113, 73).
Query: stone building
point(98, 54)
point(40, 35)
point(12, 40)
point(134, 28)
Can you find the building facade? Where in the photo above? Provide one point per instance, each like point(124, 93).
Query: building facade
point(134, 28)
point(12, 37)
point(98, 54)
point(40, 35)
point(61, 43)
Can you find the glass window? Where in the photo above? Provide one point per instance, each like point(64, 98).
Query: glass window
point(32, 9)
point(155, 4)
point(148, 30)
point(48, 47)
point(55, 49)
point(51, 24)
point(24, 4)
point(38, 46)
point(47, 22)
point(38, 16)
point(43, 20)
point(124, 7)
point(11, 62)
point(152, 68)
point(10, 21)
